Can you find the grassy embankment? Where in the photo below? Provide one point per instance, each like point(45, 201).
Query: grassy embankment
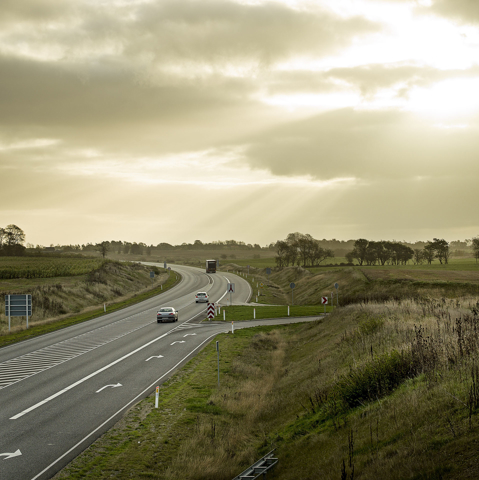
point(66, 291)
point(378, 389)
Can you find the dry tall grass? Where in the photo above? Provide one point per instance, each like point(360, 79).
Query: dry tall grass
point(113, 281)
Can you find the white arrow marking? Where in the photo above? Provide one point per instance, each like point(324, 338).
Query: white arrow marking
point(181, 341)
point(158, 356)
point(112, 386)
point(10, 455)
point(188, 334)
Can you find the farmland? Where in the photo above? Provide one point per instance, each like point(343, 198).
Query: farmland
point(46, 267)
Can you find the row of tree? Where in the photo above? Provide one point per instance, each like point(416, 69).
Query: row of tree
point(11, 241)
point(299, 249)
point(368, 252)
point(296, 249)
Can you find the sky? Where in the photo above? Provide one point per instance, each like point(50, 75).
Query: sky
point(177, 120)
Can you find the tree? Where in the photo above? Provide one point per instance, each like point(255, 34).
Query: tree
point(418, 256)
point(360, 250)
point(429, 253)
point(319, 254)
point(12, 239)
point(475, 247)
point(441, 249)
point(103, 248)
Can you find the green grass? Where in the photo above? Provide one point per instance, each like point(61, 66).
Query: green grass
point(241, 313)
point(337, 386)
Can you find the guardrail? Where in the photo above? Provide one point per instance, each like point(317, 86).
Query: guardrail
point(261, 467)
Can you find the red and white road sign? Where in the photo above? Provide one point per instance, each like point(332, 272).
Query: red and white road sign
point(210, 311)
point(324, 300)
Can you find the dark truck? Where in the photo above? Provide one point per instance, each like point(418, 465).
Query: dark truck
point(210, 266)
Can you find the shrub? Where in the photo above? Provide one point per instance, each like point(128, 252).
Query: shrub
point(374, 379)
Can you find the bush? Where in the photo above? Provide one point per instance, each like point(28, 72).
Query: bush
point(375, 379)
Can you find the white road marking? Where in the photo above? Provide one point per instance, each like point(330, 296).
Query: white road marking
point(180, 341)
point(157, 356)
point(188, 334)
point(106, 386)
point(84, 379)
point(10, 455)
point(124, 407)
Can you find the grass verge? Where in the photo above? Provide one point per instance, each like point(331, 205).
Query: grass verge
point(244, 312)
point(372, 391)
point(40, 329)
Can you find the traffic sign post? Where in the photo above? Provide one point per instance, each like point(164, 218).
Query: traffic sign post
point(18, 306)
point(324, 301)
point(230, 288)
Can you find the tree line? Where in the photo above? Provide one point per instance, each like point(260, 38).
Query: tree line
point(303, 250)
point(297, 249)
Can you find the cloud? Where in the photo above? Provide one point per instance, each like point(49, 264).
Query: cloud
point(366, 145)
point(466, 11)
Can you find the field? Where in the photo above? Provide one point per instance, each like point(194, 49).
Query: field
point(44, 267)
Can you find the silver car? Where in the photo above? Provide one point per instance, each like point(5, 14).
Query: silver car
point(167, 314)
point(201, 297)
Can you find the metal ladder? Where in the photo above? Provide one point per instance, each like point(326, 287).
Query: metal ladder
point(261, 467)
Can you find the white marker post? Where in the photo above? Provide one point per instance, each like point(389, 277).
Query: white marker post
point(224, 314)
point(157, 396)
point(254, 313)
point(232, 327)
point(218, 350)
point(288, 310)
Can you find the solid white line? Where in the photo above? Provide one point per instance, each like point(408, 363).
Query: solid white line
point(121, 409)
point(55, 395)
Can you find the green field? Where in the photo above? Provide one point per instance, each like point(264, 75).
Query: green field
point(46, 267)
point(240, 313)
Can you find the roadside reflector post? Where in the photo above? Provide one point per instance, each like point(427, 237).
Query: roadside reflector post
point(288, 310)
point(104, 307)
point(224, 314)
point(254, 313)
point(232, 327)
point(156, 396)
point(9, 308)
point(218, 351)
point(161, 287)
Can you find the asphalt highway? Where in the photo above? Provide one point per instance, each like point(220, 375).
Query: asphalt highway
point(61, 391)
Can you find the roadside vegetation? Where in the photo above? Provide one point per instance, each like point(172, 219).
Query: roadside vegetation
point(385, 386)
point(88, 288)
